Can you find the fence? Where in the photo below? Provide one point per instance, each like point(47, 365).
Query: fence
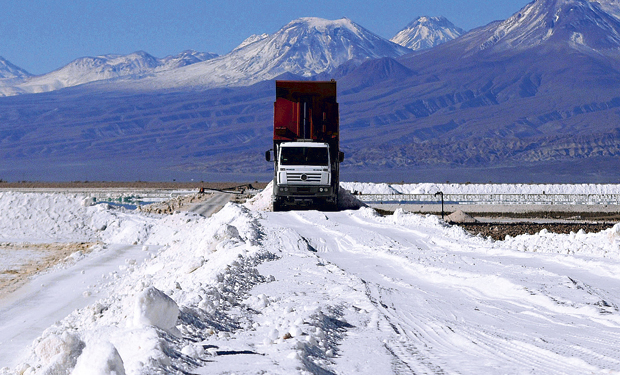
point(503, 199)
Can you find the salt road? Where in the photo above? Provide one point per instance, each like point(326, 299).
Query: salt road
point(248, 291)
point(26, 313)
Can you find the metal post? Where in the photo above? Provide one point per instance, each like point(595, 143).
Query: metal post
point(305, 121)
point(441, 194)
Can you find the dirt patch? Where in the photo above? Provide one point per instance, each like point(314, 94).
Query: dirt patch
point(499, 231)
point(38, 257)
point(175, 204)
point(241, 198)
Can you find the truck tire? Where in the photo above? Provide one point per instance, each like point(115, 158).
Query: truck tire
point(328, 206)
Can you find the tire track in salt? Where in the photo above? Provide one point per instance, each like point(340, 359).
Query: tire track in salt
point(428, 341)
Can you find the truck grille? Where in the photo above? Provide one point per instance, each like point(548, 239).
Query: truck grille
point(303, 177)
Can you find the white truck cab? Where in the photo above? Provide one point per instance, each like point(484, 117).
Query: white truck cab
point(303, 175)
point(303, 163)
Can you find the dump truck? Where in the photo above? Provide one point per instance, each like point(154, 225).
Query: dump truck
point(306, 145)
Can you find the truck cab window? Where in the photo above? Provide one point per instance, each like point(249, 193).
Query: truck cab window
point(315, 156)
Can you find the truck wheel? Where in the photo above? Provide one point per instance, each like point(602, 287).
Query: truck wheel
point(277, 206)
point(328, 206)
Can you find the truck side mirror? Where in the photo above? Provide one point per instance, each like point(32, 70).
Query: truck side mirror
point(340, 156)
point(268, 155)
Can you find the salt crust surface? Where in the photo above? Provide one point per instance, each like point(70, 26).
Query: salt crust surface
point(247, 291)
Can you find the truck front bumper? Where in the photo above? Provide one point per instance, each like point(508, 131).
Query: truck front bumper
point(303, 195)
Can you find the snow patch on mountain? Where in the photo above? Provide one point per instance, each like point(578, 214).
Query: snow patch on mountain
point(252, 39)
point(427, 32)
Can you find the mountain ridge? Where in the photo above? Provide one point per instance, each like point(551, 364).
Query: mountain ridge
point(101, 68)
point(318, 46)
point(306, 47)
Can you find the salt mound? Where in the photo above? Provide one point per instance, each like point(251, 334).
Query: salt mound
point(99, 359)
point(460, 217)
point(262, 201)
point(154, 308)
point(58, 352)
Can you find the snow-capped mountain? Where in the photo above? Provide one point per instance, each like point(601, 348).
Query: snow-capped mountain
point(105, 67)
point(309, 46)
point(583, 24)
point(10, 71)
point(89, 69)
point(304, 47)
point(427, 32)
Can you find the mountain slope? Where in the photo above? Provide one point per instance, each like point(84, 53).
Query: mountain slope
point(427, 32)
point(536, 88)
point(10, 71)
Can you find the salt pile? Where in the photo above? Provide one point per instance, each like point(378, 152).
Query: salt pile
point(460, 217)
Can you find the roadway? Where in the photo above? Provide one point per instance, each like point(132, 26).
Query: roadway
point(211, 205)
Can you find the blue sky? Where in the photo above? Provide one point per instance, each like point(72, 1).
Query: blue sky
point(44, 35)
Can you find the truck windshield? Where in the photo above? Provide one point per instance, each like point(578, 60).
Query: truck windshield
point(304, 156)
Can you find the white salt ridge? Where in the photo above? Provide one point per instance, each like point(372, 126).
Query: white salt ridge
point(35, 217)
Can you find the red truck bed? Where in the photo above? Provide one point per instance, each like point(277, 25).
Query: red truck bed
point(306, 110)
